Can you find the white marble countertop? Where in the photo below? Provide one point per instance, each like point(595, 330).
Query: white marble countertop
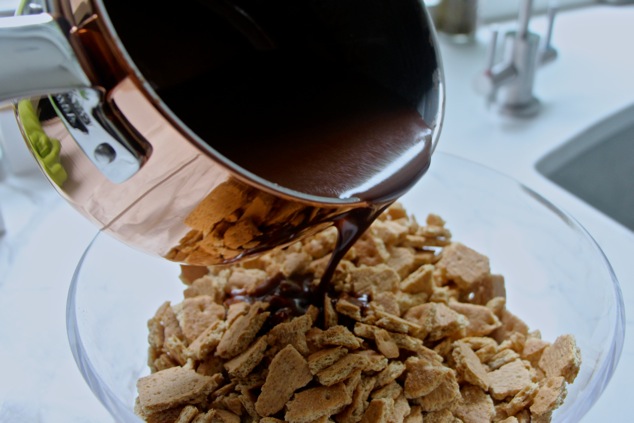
point(591, 79)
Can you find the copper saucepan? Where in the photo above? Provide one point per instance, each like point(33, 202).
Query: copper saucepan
point(155, 122)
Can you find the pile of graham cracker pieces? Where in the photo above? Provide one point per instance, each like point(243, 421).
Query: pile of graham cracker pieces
point(415, 329)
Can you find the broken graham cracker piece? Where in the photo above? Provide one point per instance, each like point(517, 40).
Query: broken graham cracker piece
point(341, 369)
point(445, 394)
point(243, 331)
point(519, 402)
point(236, 310)
point(241, 365)
point(392, 371)
point(390, 231)
point(501, 358)
point(375, 361)
point(463, 265)
point(247, 400)
point(401, 408)
point(166, 416)
point(475, 405)
point(207, 341)
point(176, 350)
point(246, 279)
point(221, 416)
point(386, 344)
point(387, 302)
point(314, 403)
point(335, 336)
point(370, 280)
point(422, 377)
point(533, 349)
point(212, 285)
point(562, 358)
point(509, 379)
point(348, 308)
point(187, 414)
point(441, 416)
point(380, 410)
point(322, 359)
point(510, 322)
point(392, 390)
point(163, 325)
point(353, 381)
point(173, 387)
point(550, 395)
point(491, 287)
point(482, 321)
point(404, 342)
point(292, 332)
point(437, 320)
point(288, 372)
point(484, 347)
point(420, 280)
point(391, 322)
point(354, 411)
point(402, 260)
point(197, 313)
point(469, 367)
point(415, 415)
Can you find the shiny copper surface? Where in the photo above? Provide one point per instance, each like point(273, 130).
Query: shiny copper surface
point(174, 205)
point(149, 210)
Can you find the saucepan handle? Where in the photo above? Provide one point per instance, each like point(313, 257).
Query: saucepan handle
point(36, 58)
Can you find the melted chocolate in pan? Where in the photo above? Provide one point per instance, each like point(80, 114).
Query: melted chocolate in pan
point(324, 98)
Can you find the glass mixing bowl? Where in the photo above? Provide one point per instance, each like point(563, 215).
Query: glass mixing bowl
point(558, 281)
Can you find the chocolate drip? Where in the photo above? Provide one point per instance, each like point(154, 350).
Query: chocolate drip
point(349, 228)
point(291, 296)
point(287, 296)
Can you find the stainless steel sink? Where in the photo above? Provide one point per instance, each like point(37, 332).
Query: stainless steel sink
point(598, 166)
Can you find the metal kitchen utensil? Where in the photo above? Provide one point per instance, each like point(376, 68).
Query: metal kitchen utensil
point(142, 104)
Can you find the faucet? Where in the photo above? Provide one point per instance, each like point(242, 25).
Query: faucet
point(508, 83)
